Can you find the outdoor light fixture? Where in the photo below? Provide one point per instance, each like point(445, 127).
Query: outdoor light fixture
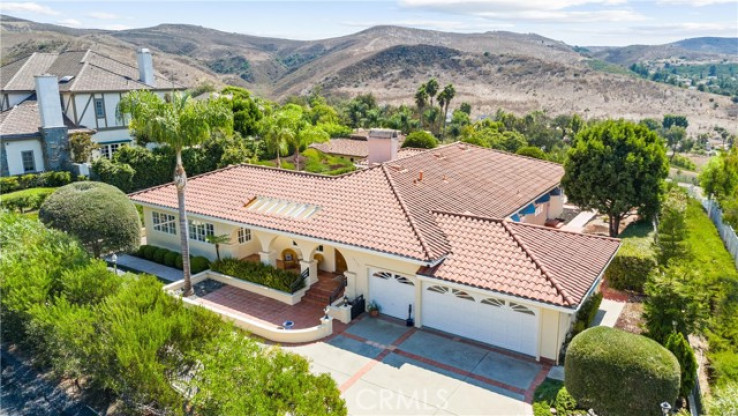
point(665, 408)
point(345, 301)
point(114, 258)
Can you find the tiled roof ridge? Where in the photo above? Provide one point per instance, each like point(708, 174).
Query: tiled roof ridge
point(522, 245)
point(28, 59)
point(502, 152)
point(90, 64)
point(405, 210)
point(156, 73)
point(543, 269)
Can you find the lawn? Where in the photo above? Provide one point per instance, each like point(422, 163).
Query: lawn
point(706, 246)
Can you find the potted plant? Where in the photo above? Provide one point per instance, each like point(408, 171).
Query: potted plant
point(373, 309)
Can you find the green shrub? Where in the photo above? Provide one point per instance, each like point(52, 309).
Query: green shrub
point(683, 162)
point(630, 268)
point(421, 140)
point(259, 273)
point(99, 215)
point(618, 373)
point(340, 171)
point(159, 254)
point(679, 346)
point(565, 403)
point(54, 179)
point(9, 184)
point(27, 199)
point(178, 262)
point(531, 151)
point(199, 264)
point(587, 313)
point(149, 252)
point(170, 259)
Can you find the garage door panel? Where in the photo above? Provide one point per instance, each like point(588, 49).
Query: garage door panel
point(489, 320)
point(392, 292)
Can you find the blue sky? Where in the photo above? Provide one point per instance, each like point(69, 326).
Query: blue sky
point(577, 22)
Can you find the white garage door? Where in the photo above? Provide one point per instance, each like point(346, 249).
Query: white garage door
point(491, 320)
point(392, 292)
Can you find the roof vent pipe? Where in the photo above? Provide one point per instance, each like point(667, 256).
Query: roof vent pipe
point(420, 175)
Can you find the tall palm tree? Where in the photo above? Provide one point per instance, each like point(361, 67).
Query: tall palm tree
point(431, 87)
point(449, 92)
point(421, 99)
point(178, 122)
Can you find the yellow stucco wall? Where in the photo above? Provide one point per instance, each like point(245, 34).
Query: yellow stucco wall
point(553, 324)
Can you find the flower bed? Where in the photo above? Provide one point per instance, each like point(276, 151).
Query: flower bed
point(259, 273)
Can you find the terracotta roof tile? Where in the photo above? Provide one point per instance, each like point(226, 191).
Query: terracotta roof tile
point(383, 208)
point(524, 260)
point(344, 147)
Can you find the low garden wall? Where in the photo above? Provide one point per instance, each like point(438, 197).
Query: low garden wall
point(257, 327)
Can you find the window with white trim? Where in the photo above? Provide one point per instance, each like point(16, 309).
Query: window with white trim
point(164, 222)
point(99, 108)
point(29, 162)
point(108, 150)
point(200, 230)
point(244, 235)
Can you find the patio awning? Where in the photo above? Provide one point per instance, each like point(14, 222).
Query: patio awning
point(555, 191)
point(530, 209)
point(544, 198)
point(515, 217)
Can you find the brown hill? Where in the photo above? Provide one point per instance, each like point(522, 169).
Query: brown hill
point(517, 72)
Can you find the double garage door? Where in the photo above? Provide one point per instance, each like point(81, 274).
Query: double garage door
point(490, 320)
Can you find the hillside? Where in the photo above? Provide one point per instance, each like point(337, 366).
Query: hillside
point(706, 49)
point(518, 72)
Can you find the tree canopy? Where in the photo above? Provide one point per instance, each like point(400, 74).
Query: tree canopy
point(421, 140)
point(615, 167)
point(100, 215)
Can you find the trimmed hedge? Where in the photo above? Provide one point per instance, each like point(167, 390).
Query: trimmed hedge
point(259, 273)
point(420, 140)
point(171, 258)
point(27, 199)
point(587, 313)
point(630, 268)
point(35, 180)
point(618, 373)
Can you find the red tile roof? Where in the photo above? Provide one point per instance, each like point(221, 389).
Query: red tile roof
point(385, 208)
point(524, 260)
point(344, 147)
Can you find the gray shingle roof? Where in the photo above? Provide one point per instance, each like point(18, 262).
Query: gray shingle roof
point(90, 70)
point(24, 120)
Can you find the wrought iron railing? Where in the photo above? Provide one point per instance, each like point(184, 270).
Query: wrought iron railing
point(342, 284)
point(300, 279)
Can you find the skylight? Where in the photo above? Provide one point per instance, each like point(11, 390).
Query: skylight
point(281, 207)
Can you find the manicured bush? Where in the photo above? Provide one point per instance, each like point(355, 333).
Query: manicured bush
point(9, 184)
point(101, 216)
point(170, 259)
point(159, 254)
point(178, 262)
point(199, 264)
point(25, 200)
point(630, 268)
point(148, 252)
point(421, 140)
point(531, 151)
point(54, 179)
point(618, 373)
point(34, 180)
point(259, 273)
point(587, 313)
point(679, 346)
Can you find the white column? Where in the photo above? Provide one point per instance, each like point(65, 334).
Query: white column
point(266, 257)
point(350, 284)
point(312, 265)
point(418, 307)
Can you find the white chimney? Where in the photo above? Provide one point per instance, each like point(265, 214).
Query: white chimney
point(382, 145)
point(49, 102)
point(145, 67)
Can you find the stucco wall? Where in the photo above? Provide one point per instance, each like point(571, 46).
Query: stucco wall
point(13, 151)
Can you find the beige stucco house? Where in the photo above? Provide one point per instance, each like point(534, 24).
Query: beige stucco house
point(455, 233)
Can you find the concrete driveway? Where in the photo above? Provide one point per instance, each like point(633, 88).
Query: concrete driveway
point(384, 368)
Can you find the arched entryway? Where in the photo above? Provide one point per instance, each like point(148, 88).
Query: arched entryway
point(289, 259)
point(340, 263)
point(320, 259)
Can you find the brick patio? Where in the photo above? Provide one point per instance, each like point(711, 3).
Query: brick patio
point(253, 306)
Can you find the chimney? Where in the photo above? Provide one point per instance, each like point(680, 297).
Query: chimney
point(145, 67)
point(49, 101)
point(382, 145)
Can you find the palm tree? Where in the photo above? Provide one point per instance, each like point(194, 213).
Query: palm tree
point(217, 240)
point(448, 94)
point(431, 87)
point(280, 130)
point(178, 122)
point(421, 98)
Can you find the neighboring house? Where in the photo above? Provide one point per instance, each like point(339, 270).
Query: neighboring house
point(450, 232)
point(356, 147)
point(45, 96)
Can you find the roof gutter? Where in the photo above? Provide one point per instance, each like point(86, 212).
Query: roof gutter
point(293, 235)
point(598, 280)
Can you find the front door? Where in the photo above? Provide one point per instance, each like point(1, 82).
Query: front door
point(340, 263)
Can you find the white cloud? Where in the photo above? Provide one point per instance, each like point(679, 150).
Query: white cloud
point(687, 29)
point(18, 7)
point(70, 22)
point(102, 15)
point(539, 11)
point(696, 3)
point(116, 27)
